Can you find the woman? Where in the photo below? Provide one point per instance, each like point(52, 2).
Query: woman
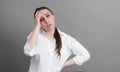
point(49, 47)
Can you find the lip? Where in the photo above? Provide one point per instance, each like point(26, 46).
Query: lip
point(49, 25)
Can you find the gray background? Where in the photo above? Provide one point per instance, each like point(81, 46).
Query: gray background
point(94, 23)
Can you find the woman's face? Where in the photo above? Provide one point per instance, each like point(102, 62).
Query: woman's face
point(47, 20)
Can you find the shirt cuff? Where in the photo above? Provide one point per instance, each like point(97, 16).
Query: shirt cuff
point(30, 51)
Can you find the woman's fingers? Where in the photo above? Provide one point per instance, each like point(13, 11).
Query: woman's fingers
point(38, 16)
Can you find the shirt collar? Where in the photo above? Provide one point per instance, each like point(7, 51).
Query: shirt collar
point(60, 32)
point(43, 32)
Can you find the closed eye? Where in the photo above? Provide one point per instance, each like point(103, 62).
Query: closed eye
point(48, 16)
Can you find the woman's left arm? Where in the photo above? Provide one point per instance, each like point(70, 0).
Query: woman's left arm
point(69, 63)
point(81, 53)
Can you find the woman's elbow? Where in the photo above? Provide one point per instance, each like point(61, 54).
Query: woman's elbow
point(88, 56)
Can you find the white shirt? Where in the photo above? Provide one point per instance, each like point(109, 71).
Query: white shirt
point(44, 57)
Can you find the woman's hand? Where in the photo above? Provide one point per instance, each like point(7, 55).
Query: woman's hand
point(68, 63)
point(38, 16)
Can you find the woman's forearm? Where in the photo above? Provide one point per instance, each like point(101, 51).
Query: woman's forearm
point(69, 63)
point(34, 37)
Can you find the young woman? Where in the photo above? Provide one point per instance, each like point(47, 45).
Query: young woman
point(49, 47)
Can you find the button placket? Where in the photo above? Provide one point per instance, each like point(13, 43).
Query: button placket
point(51, 50)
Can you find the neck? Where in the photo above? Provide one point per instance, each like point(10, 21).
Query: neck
point(50, 34)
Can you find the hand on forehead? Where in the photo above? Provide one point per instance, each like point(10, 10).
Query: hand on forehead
point(44, 11)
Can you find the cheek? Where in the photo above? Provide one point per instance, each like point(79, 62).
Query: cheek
point(53, 20)
point(43, 25)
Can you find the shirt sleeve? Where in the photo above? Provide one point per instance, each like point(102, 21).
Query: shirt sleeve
point(81, 54)
point(27, 50)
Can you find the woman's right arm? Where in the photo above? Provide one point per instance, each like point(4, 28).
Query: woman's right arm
point(34, 37)
point(30, 47)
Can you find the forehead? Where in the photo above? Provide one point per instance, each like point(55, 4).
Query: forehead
point(45, 11)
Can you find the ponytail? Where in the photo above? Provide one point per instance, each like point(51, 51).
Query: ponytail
point(58, 42)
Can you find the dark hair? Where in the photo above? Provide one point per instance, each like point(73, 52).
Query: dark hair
point(41, 8)
point(56, 33)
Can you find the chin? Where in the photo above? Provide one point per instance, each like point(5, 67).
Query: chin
point(50, 29)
